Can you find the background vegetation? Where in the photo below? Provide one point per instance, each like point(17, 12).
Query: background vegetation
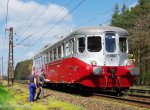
point(137, 21)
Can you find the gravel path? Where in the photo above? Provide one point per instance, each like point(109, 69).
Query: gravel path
point(90, 103)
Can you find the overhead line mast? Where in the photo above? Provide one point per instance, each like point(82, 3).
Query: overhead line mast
point(10, 70)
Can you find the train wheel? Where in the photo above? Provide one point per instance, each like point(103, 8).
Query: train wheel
point(118, 92)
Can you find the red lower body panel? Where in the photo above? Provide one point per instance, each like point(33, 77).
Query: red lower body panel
point(73, 70)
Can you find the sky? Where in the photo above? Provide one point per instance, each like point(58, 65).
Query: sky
point(37, 23)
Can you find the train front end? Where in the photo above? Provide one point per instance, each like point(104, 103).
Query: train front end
point(108, 59)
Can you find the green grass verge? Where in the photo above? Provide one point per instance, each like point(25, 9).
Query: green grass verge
point(5, 99)
point(12, 99)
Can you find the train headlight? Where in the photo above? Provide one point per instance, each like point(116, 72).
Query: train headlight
point(97, 70)
point(93, 63)
point(134, 71)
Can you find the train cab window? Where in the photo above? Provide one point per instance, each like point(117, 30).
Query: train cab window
point(110, 42)
point(123, 44)
point(59, 52)
point(81, 44)
point(94, 44)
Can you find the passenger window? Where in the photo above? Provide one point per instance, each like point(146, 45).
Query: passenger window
point(122, 44)
point(71, 46)
point(47, 57)
point(51, 56)
point(62, 50)
point(44, 59)
point(55, 54)
point(59, 52)
point(67, 49)
point(81, 44)
point(94, 44)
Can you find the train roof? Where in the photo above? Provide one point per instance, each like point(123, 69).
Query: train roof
point(89, 30)
point(100, 29)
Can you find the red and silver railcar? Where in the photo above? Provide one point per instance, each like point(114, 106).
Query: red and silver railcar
point(95, 57)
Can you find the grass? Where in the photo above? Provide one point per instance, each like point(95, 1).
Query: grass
point(5, 99)
point(18, 99)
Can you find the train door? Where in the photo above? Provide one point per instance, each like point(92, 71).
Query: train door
point(67, 61)
point(111, 49)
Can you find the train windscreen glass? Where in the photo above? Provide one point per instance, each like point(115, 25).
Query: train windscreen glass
point(94, 44)
point(110, 42)
point(123, 44)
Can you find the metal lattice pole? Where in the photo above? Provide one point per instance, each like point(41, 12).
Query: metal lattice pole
point(10, 70)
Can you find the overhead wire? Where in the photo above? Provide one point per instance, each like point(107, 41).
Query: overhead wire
point(37, 17)
point(72, 10)
point(90, 20)
point(6, 25)
point(61, 19)
point(34, 11)
point(45, 25)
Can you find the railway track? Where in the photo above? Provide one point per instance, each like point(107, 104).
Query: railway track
point(140, 91)
point(138, 100)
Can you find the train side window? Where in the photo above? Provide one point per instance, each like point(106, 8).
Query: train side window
point(71, 46)
point(40, 60)
point(123, 44)
point(59, 51)
point(62, 50)
point(94, 44)
point(81, 44)
point(51, 56)
point(44, 59)
point(55, 54)
point(67, 49)
point(47, 57)
point(35, 62)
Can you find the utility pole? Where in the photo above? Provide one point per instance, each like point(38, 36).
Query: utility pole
point(10, 69)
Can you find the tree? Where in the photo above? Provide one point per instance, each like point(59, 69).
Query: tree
point(136, 21)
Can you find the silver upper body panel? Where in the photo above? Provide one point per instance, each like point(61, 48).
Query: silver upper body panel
point(103, 58)
point(93, 30)
point(100, 29)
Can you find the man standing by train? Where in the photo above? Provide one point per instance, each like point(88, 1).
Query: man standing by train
point(32, 85)
point(41, 80)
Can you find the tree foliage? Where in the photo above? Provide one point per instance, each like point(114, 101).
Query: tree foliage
point(137, 21)
point(23, 69)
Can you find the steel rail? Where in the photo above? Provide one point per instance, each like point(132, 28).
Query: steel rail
point(139, 90)
point(137, 102)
